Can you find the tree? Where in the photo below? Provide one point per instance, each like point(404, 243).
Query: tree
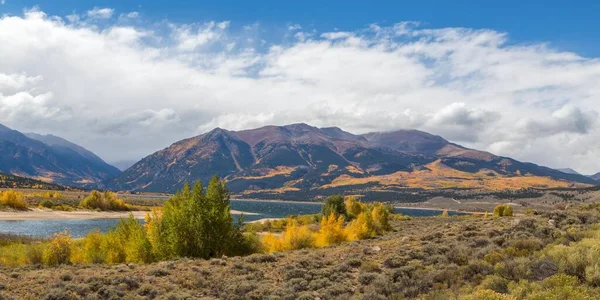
point(361, 227)
point(499, 211)
point(195, 224)
point(331, 231)
point(503, 211)
point(58, 251)
point(381, 218)
point(508, 211)
point(354, 207)
point(334, 205)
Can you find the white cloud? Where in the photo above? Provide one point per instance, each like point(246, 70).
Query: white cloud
point(294, 27)
point(100, 13)
point(112, 87)
point(190, 37)
point(133, 15)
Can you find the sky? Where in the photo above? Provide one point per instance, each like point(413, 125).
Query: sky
point(127, 78)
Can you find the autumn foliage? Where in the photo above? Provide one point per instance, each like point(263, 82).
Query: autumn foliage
point(365, 221)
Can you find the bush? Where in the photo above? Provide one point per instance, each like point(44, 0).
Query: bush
point(103, 201)
point(495, 283)
point(381, 217)
point(354, 207)
point(334, 205)
point(294, 237)
point(92, 248)
point(331, 231)
point(488, 295)
point(58, 250)
point(13, 199)
point(47, 203)
point(504, 210)
point(361, 228)
point(556, 287)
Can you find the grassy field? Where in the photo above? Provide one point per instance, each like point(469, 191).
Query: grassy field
point(423, 258)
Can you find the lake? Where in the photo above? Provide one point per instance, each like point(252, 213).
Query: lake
point(261, 210)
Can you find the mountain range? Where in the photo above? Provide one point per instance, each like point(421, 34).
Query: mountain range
point(50, 159)
point(293, 161)
point(298, 159)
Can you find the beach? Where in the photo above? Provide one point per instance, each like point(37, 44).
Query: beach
point(43, 214)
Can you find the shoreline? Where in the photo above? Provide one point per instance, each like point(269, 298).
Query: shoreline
point(441, 209)
point(277, 201)
point(41, 214)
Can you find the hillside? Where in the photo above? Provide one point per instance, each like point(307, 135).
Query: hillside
point(299, 160)
point(422, 258)
point(16, 182)
point(50, 159)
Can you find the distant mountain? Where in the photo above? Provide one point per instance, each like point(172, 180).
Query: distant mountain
point(298, 160)
point(123, 164)
point(569, 171)
point(50, 159)
point(16, 182)
point(596, 177)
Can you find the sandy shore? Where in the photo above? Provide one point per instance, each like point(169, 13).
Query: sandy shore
point(42, 214)
point(277, 201)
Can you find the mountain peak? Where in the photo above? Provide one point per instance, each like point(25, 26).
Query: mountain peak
point(305, 160)
point(50, 158)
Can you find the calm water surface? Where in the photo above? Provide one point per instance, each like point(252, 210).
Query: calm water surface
point(262, 209)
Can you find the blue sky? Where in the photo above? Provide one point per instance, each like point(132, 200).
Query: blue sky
point(127, 78)
point(568, 25)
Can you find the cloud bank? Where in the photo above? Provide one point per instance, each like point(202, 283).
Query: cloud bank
point(124, 87)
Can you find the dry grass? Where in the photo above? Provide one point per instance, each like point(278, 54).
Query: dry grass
point(279, 170)
point(421, 256)
point(439, 176)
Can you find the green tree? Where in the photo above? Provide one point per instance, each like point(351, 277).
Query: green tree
point(195, 224)
point(335, 205)
point(499, 211)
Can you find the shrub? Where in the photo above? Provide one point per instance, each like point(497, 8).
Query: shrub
point(128, 242)
point(47, 203)
point(13, 199)
point(297, 237)
point(559, 286)
point(294, 237)
point(508, 211)
point(361, 227)
point(103, 201)
point(488, 295)
point(354, 207)
point(92, 248)
point(58, 250)
point(35, 254)
point(495, 283)
point(331, 231)
point(334, 205)
point(367, 278)
point(381, 216)
point(503, 210)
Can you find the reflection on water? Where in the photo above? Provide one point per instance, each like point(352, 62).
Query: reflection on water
point(262, 209)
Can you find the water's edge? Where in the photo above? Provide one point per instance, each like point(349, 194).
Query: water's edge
point(261, 210)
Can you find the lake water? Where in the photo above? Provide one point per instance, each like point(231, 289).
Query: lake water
point(262, 209)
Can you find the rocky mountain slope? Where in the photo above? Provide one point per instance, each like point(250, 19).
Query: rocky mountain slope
point(296, 161)
point(50, 159)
